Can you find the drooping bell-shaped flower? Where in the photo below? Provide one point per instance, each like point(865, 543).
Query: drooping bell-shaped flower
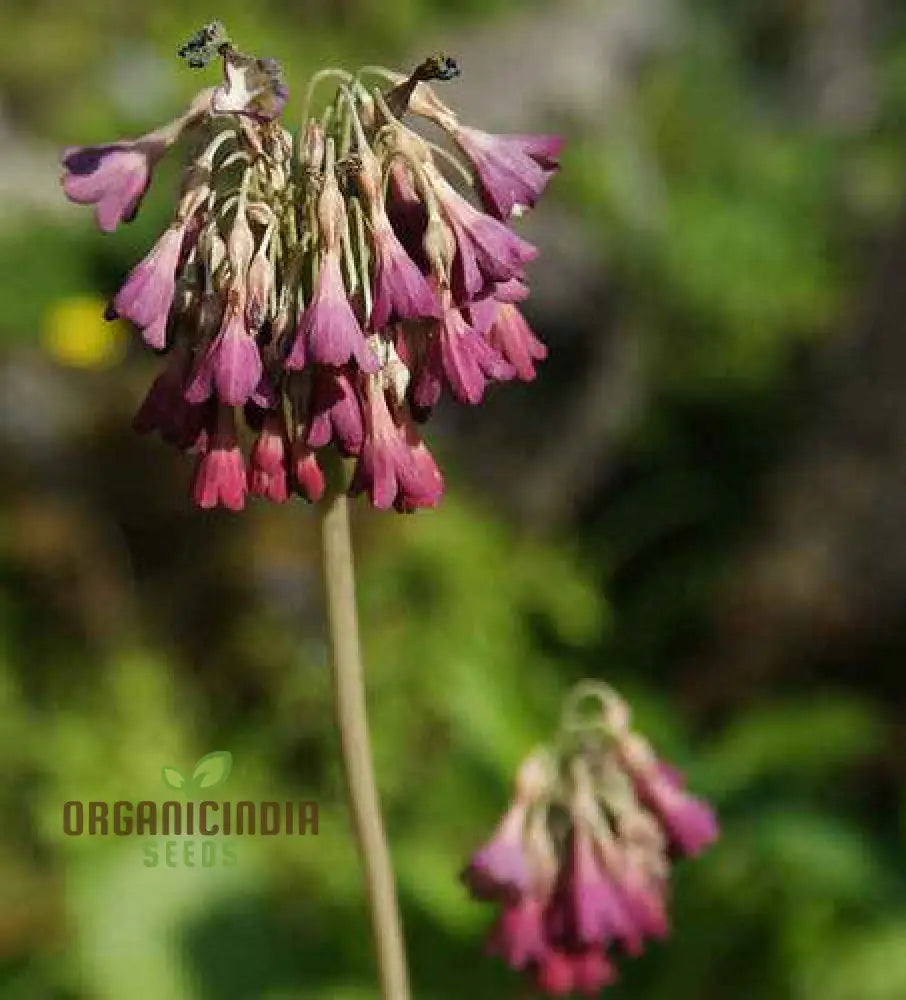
point(500, 869)
point(165, 408)
point(487, 251)
point(554, 974)
point(458, 357)
point(513, 339)
point(644, 897)
point(232, 365)
point(328, 332)
point(147, 295)
point(308, 474)
point(483, 310)
point(592, 971)
point(220, 478)
point(513, 170)
point(335, 411)
point(506, 867)
point(561, 974)
point(389, 468)
point(400, 290)
point(518, 937)
point(113, 177)
point(427, 476)
point(689, 821)
point(268, 470)
point(590, 910)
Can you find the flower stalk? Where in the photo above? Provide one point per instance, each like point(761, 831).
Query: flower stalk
point(352, 723)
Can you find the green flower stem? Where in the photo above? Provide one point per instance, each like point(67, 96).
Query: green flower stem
point(349, 708)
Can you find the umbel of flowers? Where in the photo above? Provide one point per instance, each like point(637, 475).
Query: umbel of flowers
point(328, 288)
point(579, 865)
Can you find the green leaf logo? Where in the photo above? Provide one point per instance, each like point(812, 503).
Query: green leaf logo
point(174, 778)
point(212, 770)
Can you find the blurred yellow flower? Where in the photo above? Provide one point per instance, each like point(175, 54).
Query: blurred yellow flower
point(76, 334)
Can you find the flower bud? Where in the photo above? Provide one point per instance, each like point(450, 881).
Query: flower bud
point(259, 288)
point(331, 213)
point(240, 247)
point(440, 247)
point(312, 147)
point(534, 777)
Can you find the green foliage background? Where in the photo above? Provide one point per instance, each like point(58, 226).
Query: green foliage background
point(738, 235)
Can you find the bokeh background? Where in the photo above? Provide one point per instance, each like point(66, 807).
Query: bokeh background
point(702, 499)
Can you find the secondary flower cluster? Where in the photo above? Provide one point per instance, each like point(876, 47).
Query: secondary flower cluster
point(580, 862)
point(329, 288)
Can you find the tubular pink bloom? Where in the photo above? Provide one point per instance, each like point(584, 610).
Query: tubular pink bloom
point(259, 286)
point(335, 412)
point(165, 408)
point(501, 869)
point(309, 475)
point(483, 311)
point(113, 178)
point(512, 170)
point(559, 974)
point(554, 974)
point(401, 291)
point(592, 971)
point(147, 294)
point(690, 823)
point(267, 472)
point(600, 912)
point(518, 936)
point(232, 363)
point(588, 909)
point(457, 355)
point(644, 902)
point(512, 337)
point(390, 467)
point(328, 332)
point(487, 252)
point(220, 475)
point(427, 474)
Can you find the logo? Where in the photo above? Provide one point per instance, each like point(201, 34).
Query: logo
point(197, 830)
point(210, 771)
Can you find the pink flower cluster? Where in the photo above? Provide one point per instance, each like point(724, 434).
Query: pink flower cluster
point(328, 288)
point(580, 863)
